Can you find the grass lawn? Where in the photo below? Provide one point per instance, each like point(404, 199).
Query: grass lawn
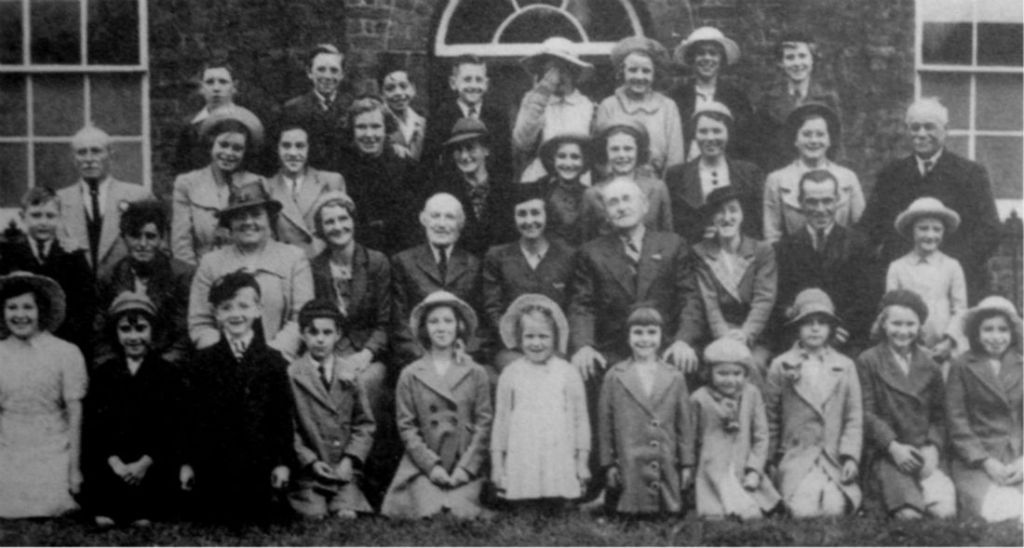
point(529, 528)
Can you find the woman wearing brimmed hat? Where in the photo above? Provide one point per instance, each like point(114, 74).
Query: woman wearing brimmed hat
point(42, 383)
point(707, 52)
point(554, 106)
point(444, 415)
point(567, 158)
point(690, 184)
point(926, 270)
point(282, 271)
point(737, 276)
point(640, 66)
point(813, 131)
point(813, 401)
point(230, 136)
point(984, 406)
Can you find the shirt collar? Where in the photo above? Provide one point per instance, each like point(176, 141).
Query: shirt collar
point(102, 187)
point(539, 254)
point(647, 105)
point(246, 339)
point(934, 160)
point(40, 253)
point(813, 231)
point(325, 100)
point(637, 237)
point(464, 107)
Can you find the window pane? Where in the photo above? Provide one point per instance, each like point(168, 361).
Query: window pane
point(474, 21)
point(57, 104)
point(535, 25)
point(1000, 44)
point(55, 31)
point(13, 173)
point(604, 20)
point(127, 162)
point(54, 166)
point(954, 90)
point(1000, 98)
point(113, 32)
point(10, 32)
point(946, 11)
point(1002, 157)
point(998, 11)
point(117, 103)
point(946, 43)
point(12, 105)
point(957, 145)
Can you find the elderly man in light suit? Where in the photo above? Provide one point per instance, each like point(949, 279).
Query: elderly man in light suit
point(298, 187)
point(91, 208)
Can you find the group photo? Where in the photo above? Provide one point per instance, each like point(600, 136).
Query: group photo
point(511, 272)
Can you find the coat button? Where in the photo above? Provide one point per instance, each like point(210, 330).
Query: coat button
point(655, 423)
point(654, 444)
point(433, 408)
point(655, 465)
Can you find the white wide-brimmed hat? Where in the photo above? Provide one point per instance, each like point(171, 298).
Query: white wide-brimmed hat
point(510, 320)
point(439, 298)
point(708, 34)
point(559, 48)
point(926, 207)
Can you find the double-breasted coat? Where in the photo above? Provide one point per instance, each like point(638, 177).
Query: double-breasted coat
point(331, 423)
point(649, 438)
point(984, 416)
point(507, 275)
point(687, 199)
point(744, 302)
point(295, 224)
point(443, 421)
point(813, 426)
point(196, 200)
point(369, 306)
point(906, 408)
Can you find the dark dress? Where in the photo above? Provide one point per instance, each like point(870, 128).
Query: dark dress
point(386, 204)
point(130, 416)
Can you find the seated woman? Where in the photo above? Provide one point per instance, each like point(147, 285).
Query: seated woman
point(149, 270)
point(199, 195)
point(814, 130)
point(282, 271)
point(984, 408)
point(737, 276)
point(42, 383)
point(690, 184)
point(640, 65)
point(622, 148)
point(567, 158)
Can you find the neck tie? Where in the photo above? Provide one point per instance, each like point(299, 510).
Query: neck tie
point(927, 166)
point(324, 378)
point(819, 240)
point(633, 252)
point(471, 112)
point(442, 262)
point(41, 249)
point(238, 348)
point(95, 220)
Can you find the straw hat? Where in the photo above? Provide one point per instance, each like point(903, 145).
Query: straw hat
point(559, 48)
point(510, 320)
point(466, 129)
point(808, 302)
point(245, 197)
point(443, 298)
point(45, 287)
point(241, 114)
point(728, 350)
point(708, 34)
point(926, 207)
point(712, 106)
point(989, 304)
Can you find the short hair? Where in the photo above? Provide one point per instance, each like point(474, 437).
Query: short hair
point(548, 316)
point(227, 286)
point(460, 213)
point(462, 327)
point(718, 117)
point(227, 125)
point(90, 130)
point(795, 37)
point(19, 287)
point(929, 104)
point(467, 59)
point(141, 213)
point(972, 328)
point(133, 315)
point(816, 176)
point(345, 203)
point(835, 131)
point(319, 49)
point(645, 315)
point(371, 103)
point(657, 61)
point(643, 153)
point(39, 195)
point(290, 126)
point(215, 64)
point(877, 332)
point(832, 321)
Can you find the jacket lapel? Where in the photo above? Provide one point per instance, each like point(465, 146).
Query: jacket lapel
point(980, 368)
point(281, 191)
point(308, 377)
point(425, 261)
point(617, 263)
point(662, 384)
point(651, 258)
point(73, 215)
point(426, 374)
point(631, 381)
point(891, 374)
point(309, 192)
point(692, 194)
point(458, 265)
point(832, 375)
point(111, 217)
point(360, 261)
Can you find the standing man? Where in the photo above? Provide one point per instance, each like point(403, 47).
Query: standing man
point(933, 171)
point(91, 208)
point(323, 110)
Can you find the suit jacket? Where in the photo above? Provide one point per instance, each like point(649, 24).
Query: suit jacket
point(414, 275)
point(328, 130)
point(683, 182)
point(729, 95)
point(963, 186)
point(295, 223)
point(648, 437)
point(604, 290)
point(369, 308)
point(774, 148)
point(507, 275)
point(70, 269)
point(747, 304)
point(386, 198)
point(75, 220)
point(439, 129)
point(413, 144)
point(195, 230)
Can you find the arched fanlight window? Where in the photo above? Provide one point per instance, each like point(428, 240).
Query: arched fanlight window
point(513, 28)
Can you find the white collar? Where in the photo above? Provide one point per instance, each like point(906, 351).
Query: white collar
point(464, 107)
point(813, 232)
point(934, 160)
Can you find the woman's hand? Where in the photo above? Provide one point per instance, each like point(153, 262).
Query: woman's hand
point(582, 473)
point(322, 469)
point(74, 479)
point(186, 477)
point(117, 466)
point(136, 471)
point(345, 471)
point(459, 477)
point(279, 477)
point(738, 335)
point(751, 480)
point(849, 472)
point(907, 459)
point(439, 477)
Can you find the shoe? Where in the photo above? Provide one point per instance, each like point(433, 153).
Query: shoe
point(103, 522)
point(141, 523)
point(345, 514)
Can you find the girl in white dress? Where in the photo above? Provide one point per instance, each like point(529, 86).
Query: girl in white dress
point(541, 437)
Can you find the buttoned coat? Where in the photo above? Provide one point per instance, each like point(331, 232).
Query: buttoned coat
point(906, 408)
point(604, 290)
point(748, 305)
point(782, 211)
point(328, 129)
point(196, 201)
point(649, 438)
point(774, 148)
point(961, 185)
point(286, 284)
point(330, 424)
point(507, 275)
point(807, 430)
point(724, 457)
point(984, 416)
point(414, 275)
point(75, 220)
point(295, 223)
point(687, 200)
point(443, 421)
point(369, 306)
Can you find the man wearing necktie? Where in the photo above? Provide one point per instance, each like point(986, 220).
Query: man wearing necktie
point(322, 111)
point(91, 208)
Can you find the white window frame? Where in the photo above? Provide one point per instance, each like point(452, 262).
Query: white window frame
point(29, 70)
point(496, 49)
point(973, 70)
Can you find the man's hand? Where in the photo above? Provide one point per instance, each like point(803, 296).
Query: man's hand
point(186, 477)
point(588, 361)
point(906, 458)
point(682, 356)
point(279, 477)
point(439, 477)
point(849, 472)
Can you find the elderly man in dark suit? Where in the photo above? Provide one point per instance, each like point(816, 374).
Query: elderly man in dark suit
point(322, 111)
point(957, 182)
point(438, 264)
